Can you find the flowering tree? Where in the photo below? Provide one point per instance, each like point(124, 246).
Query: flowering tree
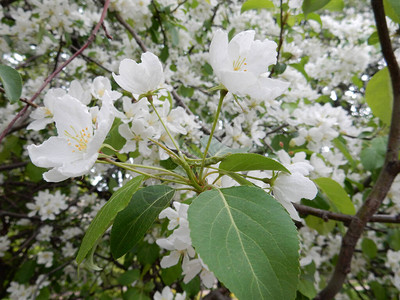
point(216, 149)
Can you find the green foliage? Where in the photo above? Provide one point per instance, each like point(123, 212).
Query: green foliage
point(310, 6)
point(256, 4)
point(25, 272)
point(392, 10)
point(104, 218)
point(369, 247)
point(336, 195)
point(379, 95)
point(12, 82)
point(129, 277)
point(373, 156)
point(250, 161)
point(248, 240)
point(131, 224)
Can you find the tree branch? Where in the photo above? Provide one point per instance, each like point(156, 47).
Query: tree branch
point(327, 215)
point(58, 70)
point(389, 170)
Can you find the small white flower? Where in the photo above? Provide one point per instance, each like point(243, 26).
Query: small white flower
point(45, 258)
point(74, 151)
point(293, 187)
point(165, 295)
point(242, 65)
point(102, 84)
point(140, 78)
point(4, 245)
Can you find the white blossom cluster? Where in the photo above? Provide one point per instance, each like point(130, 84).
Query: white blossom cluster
point(179, 244)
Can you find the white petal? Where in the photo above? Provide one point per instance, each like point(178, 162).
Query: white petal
point(218, 51)
point(170, 260)
point(52, 153)
point(54, 176)
point(290, 209)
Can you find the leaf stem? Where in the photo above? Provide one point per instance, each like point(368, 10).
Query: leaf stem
point(221, 99)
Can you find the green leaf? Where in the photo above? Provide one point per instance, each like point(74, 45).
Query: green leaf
point(170, 275)
point(131, 224)
point(135, 294)
point(248, 240)
point(379, 95)
point(306, 287)
point(12, 83)
point(340, 144)
point(129, 277)
point(373, 38)
point(256, 4)
point(147, 253)
point(392, 9)
point(335, 5)
point(379, 290)
point(250, 161)
point(369, 247)
point(313, 5)
point(320, 225)
point(118, 201)
point(34, 173)
point(394, 239)
point(25, 272)
point(373, 157)
point(300, 66)
point(336, 195)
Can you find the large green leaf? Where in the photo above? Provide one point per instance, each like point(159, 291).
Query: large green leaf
point(256, 4)
point(379, 95)
point(250, 161)
point(392, 9)
point(12, 82)
point(131, 224)
point(313, 5)
point(336, 195)
point(248, 240)
point(118, 201)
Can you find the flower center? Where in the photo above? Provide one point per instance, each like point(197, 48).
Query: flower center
point(239, 63)
point(79, 139)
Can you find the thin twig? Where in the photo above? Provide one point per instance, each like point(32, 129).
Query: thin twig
point(59, 69)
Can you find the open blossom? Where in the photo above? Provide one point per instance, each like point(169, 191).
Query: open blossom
point(242, 65)
point(140, 78)
point(74, 151)
point(288, 188)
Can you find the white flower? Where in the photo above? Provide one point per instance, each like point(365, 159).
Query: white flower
point(241, 65)
point(4, 245)
point(140, 78)
point(166, 294)
point(45, 258)
point(74, 151)
point(44, 115)
point(293, 187)
point(100, 85)
point(176, 217)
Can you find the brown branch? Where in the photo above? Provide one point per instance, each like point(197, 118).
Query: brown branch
point(22, 99)
point(283, 19)
point(389, 170)
point(131, 31)
point(59, 69)
point(17, 215)
point(327, 215)
point(13, 166)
